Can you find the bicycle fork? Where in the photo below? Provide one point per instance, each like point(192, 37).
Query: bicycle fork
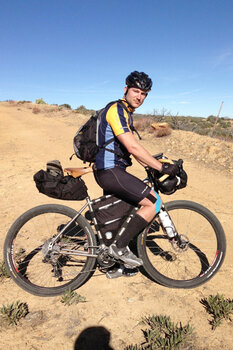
point(178, 241)
point(166, 223)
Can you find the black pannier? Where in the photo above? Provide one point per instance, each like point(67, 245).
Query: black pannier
point(60, 187)
point(110, 213)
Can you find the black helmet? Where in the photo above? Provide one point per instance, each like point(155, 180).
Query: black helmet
point(139, 80)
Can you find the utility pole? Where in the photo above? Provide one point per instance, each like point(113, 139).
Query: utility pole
point(216, 120)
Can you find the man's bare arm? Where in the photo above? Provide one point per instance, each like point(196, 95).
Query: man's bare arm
point(138, 151)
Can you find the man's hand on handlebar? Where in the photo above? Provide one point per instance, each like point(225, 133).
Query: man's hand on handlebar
point(170, 169)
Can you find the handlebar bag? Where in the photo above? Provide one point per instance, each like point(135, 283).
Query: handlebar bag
point(60, 187)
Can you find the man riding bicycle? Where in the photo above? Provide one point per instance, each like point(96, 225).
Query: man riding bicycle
point(110, 168)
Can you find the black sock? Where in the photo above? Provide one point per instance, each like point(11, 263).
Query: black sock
point(135, 226)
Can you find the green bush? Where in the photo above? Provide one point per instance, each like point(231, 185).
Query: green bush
point(211, 119)
point(219, 308)
point(40, 101)
point(14, 312)
point(3, 270)
point(70, 297)
point(66, 106)
point(23, 102)
point(164, 334)
point(222, 130)
point(223, 124)
point(83, 110)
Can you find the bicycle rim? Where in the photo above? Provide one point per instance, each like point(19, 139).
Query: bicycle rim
point(199, 258)
point(27, 242)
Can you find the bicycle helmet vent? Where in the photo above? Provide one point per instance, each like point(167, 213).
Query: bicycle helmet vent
point(139, 80)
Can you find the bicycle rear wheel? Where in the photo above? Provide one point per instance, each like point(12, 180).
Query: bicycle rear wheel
point(28, 240)
point(196, 260)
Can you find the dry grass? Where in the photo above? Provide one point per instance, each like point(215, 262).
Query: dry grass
point(35, 110)
point(158, 129)
point(144, 124)
point(12, 102)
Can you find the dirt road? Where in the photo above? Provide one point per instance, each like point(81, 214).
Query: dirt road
point(28, 141)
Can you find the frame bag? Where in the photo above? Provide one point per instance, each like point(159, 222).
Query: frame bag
point(111, 212)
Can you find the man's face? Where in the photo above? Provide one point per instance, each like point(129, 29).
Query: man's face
point(135, 97)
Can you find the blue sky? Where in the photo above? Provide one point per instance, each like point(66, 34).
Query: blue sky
point(79, 52)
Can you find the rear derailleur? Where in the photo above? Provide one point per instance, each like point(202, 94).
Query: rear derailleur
point(51, 254)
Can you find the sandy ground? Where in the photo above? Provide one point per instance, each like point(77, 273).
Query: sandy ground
point(28, 141)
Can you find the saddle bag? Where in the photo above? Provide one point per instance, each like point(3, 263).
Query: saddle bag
point(59, 186)
point(111, 212)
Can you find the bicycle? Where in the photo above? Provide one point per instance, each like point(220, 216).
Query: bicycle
point(52, 248)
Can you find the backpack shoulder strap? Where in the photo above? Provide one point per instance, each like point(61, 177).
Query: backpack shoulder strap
point(98, 113)
point(132, 128)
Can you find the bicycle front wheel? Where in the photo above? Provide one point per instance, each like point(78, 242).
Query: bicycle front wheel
point(27, 242)
point(191, 263)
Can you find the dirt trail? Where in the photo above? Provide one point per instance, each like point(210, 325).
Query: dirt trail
point(27, 142)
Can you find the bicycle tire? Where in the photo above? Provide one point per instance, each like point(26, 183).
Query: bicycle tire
point(198, 262)
point(23, 254)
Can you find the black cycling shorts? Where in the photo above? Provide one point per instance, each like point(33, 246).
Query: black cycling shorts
point(122, 184)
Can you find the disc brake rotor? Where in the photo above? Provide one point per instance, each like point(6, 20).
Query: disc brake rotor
point(181, 244)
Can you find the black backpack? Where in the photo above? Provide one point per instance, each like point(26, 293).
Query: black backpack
point(85, 140)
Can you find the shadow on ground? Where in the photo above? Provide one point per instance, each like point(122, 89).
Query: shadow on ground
point(97, 338)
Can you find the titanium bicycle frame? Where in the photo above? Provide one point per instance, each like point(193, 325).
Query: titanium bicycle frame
point(88, 204)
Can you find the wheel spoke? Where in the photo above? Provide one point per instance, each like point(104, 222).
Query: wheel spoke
point(39, 270)
point(190, 260)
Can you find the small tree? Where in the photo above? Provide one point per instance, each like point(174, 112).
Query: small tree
point(40, 101)
point(82, 110)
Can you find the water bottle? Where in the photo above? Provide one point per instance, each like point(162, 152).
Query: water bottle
point(167, 223)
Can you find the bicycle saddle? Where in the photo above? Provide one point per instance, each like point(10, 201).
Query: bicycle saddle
point(76, 172)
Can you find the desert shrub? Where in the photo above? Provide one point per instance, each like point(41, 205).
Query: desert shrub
point(144, 124)
point(219, 308)
point(224, 124)
point(40, 101)
point(202, 131)
point(35, 110)
point(148, 125)
point(211, 119)
point(82, 110)
point(70, 297)
point(164, 334)
point(23, 102)
point(65, 106)
point(3, 270)
point(14, 312)
point(204, 125)
point(223, 134)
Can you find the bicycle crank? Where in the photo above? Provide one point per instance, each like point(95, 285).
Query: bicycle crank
point(103, 259)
